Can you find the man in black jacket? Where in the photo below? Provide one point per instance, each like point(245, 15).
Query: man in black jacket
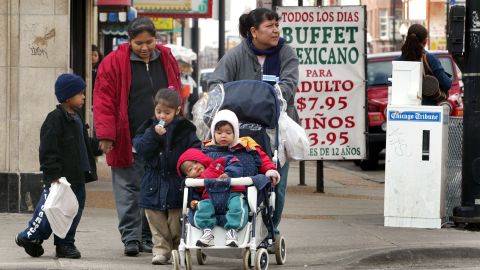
point(65, 151)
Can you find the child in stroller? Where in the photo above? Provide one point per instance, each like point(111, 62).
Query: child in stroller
point(229, 149)
point(193, 163)
point(225, 143)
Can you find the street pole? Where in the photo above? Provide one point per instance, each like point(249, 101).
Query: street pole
point(221, 29)
point(471, 118)
point(469, 212)
point(182, 23)
point(195, 49)
point(320, 184)
point(394, 40)
point(302, 162)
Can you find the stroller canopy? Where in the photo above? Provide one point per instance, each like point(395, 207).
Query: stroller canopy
point(252, 102)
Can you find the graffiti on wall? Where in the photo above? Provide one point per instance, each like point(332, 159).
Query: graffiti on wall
point(39, 45)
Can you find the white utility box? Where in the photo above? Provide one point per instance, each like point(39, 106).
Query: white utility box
point(406, 83)
point(415, 166)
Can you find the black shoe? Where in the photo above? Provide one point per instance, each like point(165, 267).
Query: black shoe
point(32, 248)
point(131, 248)
point(68, 251)
point(146, 246)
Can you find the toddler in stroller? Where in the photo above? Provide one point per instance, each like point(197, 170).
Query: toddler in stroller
point(220, 204)
point(193, 163)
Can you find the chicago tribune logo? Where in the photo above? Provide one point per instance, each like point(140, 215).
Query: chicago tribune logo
point(414, 116)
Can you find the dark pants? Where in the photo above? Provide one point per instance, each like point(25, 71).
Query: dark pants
point(132, 222)
point(39, 228)
point(280, 194)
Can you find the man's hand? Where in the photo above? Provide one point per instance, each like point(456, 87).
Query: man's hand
point(105, 145)
point(223, 175)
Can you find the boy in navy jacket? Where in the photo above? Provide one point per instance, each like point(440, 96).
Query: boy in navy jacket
point(65, 151)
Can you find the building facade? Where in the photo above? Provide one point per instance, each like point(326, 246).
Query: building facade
point(388, 21)
point(39, 41)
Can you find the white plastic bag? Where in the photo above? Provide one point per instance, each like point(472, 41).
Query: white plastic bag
point(293, 138)
point(61, 207)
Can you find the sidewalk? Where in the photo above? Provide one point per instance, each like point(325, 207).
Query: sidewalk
point(339, 229)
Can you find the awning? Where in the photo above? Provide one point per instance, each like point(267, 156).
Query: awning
point(115, 30)
point(145, 6)
point(113, 2)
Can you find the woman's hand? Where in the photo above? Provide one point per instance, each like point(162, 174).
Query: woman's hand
point(105, 145)
point(274, 176)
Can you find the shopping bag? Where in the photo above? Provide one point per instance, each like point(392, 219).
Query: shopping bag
point(61, 207)
point(293, 138)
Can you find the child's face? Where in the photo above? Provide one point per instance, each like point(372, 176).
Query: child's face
point(165, 113)
point(77, 101)
point(192, 169)
point(224, 135)
point(95, 57)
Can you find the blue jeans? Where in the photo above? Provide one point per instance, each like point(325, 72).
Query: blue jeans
point(280, 192)
point(38, 227)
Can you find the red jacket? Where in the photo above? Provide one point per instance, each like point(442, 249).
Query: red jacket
point(110, 99)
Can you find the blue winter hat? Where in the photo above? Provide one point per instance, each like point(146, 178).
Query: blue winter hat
point(68, 85)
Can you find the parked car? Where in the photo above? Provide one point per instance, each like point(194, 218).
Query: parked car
point(379, 69)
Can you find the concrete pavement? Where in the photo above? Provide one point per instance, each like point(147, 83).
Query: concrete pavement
point(339, 229)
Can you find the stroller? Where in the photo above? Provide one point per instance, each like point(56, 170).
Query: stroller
point(258, 118)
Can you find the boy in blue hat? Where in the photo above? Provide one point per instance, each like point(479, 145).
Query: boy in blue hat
point(65, 151)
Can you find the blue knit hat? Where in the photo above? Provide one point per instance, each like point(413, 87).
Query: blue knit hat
point(68, 85)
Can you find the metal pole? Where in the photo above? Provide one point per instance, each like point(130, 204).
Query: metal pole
point(221, 28)
point(302, 163)
point(195, 49)
point(302, 173)
point(394, 40)
point(182, 23)
point(471, 118)
point(320, 184)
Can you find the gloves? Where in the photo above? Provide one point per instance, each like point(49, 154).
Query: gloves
point(273, 175)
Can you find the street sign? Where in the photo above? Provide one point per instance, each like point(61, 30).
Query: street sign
point(331, 93)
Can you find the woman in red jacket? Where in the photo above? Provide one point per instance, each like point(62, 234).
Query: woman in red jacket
point(126, 83)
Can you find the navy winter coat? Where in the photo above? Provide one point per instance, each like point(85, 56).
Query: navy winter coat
point(161, 186)
point(59, 149)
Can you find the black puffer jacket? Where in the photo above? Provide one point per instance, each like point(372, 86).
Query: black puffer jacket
point(60, 150)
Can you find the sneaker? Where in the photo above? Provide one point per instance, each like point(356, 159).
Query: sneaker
point(146, 246)
point(207, 239)
point(32, 248)
point(131, 248)
point(159, 259)
point(231, 238)
point(68, 251)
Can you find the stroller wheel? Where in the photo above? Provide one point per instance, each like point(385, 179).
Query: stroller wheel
point(280, 250)
point(176, 260)
point(188, 260)
point(261, 259)
point(201, 257)
point(246, 259)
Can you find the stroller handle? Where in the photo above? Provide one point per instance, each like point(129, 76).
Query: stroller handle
point(199, 182)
